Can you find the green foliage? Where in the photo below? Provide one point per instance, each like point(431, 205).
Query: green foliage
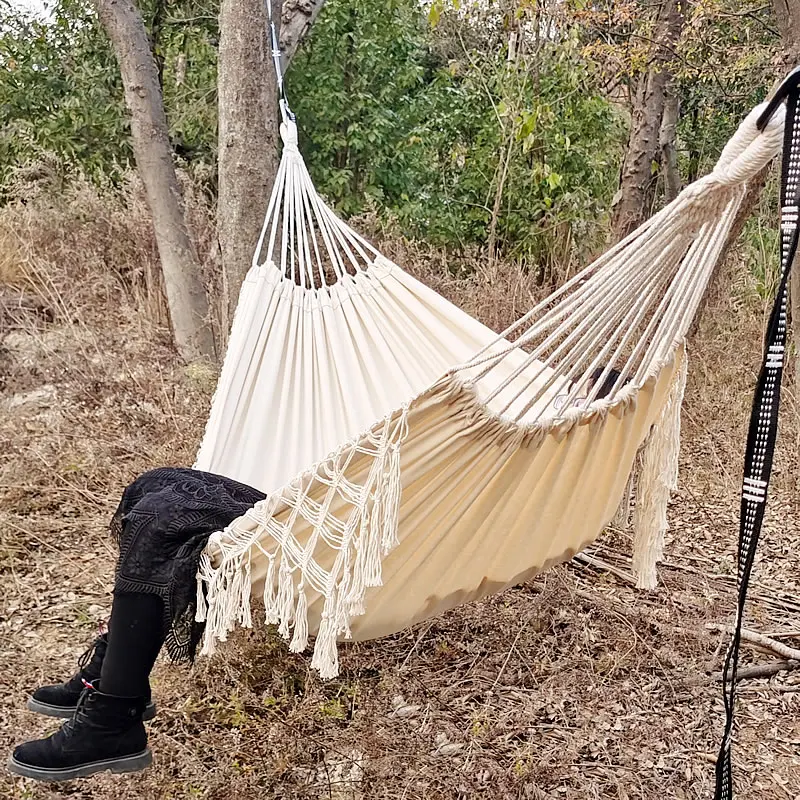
point(357, 88)
point(723, 63)
point(496, 125)
point(184, 36)
point(461, 151)
point(761, 245)
point(527, 149)
point(61, 93)
point(726, 67)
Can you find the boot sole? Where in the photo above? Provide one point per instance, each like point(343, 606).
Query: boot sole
point(66, 712)
point(133, 763)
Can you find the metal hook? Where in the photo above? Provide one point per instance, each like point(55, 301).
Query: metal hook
point(790, 83)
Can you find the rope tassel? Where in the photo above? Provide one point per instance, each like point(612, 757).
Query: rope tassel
point(270, 594)
point(300, 638)
point(657, 479)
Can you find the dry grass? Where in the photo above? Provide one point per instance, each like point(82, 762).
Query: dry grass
point(11, 257)
point(573, 686)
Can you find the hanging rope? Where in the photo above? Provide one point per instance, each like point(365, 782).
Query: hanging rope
point(763, 430)
point(286, 112)
point(304, 238)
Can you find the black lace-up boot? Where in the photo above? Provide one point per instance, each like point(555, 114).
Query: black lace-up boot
point(104, 733)
point(60, 700)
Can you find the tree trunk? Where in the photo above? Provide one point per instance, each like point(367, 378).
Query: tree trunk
point(638, 177)
point(248, 136)
point(186, 297)
point(668, 143)
point(297, 19)
point(787, 13)
point(249, 139)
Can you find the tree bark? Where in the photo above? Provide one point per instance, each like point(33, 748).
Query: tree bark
point(296, 21)
point(668, 143)
point(248, 136)
point(787, 13)
point(249, 139)
point(186, 297)
point(638, 177)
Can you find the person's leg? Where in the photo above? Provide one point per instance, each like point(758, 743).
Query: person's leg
point(106, 730)
point(162, 525)
point(135, 635)
point(61, 699)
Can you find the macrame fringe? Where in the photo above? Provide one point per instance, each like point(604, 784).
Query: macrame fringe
point(657, 478)
point(270, 594)
point(390, 503)
point(300, 639)
point(325, 658)
point(622, 517)
point(202, 606)
point(369, 533)
point(285, 599)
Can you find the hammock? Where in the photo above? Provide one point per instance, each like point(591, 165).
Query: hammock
point(415, 460)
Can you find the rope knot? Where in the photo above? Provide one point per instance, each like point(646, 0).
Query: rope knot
point(289, 135)
point(749, 149)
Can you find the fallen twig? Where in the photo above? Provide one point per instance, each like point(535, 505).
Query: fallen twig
point(598, 563)
point(789, 653)
point(751, 672)
point(763, 670)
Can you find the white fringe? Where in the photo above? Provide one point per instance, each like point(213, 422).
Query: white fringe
point(658, 477)
point(326, 654)
point(622, 517)
point(300, 639)
point(285, 598)
point(270, 593)
point(368, 534)
point(391, 501)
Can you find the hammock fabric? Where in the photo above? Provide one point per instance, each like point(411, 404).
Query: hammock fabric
point(411, 458)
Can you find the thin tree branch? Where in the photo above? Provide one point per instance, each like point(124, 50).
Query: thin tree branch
point(763, 670)
point(297, 20)
point(758, 639)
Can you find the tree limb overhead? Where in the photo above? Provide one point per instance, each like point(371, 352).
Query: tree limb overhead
point(296, 20)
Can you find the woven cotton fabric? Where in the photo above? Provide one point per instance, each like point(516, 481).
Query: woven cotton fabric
point(411, 458)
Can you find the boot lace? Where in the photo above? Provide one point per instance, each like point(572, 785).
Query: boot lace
point(87, 654)
point(80, 714)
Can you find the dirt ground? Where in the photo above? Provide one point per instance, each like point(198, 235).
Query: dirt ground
point(573, 686)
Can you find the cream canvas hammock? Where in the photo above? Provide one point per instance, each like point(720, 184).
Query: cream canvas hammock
point(415, 460)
